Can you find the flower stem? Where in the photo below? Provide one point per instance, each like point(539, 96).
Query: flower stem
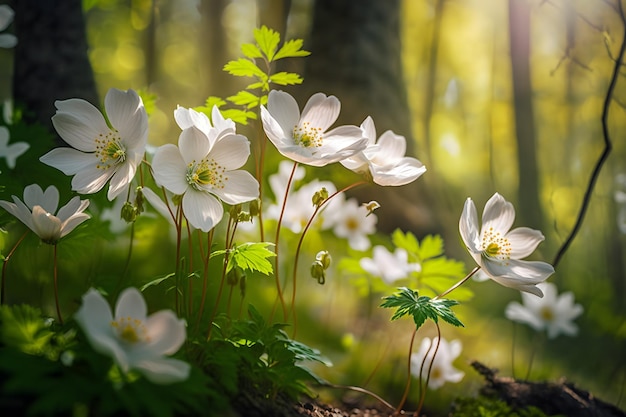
point(205, 273)
point(4, 265)
point(276, 245)
point(297, 254)
point(458, 284)
point(56, 288)
point(408, 379)
point(430, 368)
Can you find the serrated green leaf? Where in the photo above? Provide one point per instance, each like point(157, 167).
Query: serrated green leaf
point(406, 241)
point(291, 49)
point(252, 257)
point(285, 78)
point(421, 308)
point(431, 246)
point(251, 51)
point(244, 98)
point(23, 327)
point(244, 68)
point(442, 267)
point(268, 41)
point(239, 116)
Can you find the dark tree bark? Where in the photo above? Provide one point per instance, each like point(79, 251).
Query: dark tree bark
point(273, 14)
point(51, 61)
point(529, 209)
point(356, 56)
point(213, 48)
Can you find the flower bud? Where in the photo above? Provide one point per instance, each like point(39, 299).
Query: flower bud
point(234, 211)
point(255, 207)
point(317, 272)
point(324, 258)
point(243, 216)
point(371, 206)
point(233, 276)
point(129, 212)
point(319, 197)
point(139, 199)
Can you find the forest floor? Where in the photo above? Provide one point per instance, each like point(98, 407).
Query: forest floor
point(552, 398)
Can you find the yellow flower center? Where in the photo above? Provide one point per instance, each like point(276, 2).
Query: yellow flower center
point(130, 330)
point(352, 224)
point(307, 136)
point(495, 245)
point(110, 150)
point(547, 314)
point(206, 174)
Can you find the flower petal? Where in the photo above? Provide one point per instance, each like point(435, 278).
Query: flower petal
point(75, 205)
point(164, 370)
point(131, 303)
point(47, 226)
point(194, 144)
point(321, 111)
point(122, 177)
point(524, 241)
point(517, 312)
point(231, 152)
point(89, 181)
point(127, 114)
point(69, 160)
point(283, 109)
point(391, 147)
point(166, 333)
point(170, 169)
point(35, 196)
point(468, 227)
point(79, 123)
point(498, 214)
point(406, 171)
point(202, 210)
point(240, 187)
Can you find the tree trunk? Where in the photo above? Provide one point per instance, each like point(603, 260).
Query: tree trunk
point(529, 208)
point(51, 61)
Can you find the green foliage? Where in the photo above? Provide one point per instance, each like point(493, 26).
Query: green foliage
point(491, 407)
point(252, 257)
point(408, 302)
point(257, 63)
point(267, 359)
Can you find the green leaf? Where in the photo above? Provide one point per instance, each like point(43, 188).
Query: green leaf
point(252, 257)
point(285, 78)
point(431, 246)
point(251, 51)
point(406, 241)
point(149, 100)
point(408, 302)
point(244, 98)
point(244, 68)
point(24, 328)
point(239, 116)
point(291, 48)
point(268, 40)
point(157, 281)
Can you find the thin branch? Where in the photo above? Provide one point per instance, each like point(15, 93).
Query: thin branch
point(607, 144)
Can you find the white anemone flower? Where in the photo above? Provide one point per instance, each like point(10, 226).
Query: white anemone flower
point(100, 152)
point(135, 340)
point(305, 138)
point(13, 151)
point(442, 370)
point(384, 161)
point(499, 250)
point(391, 267)
point(553, 313)
point(6, 17)
point(204, 165)
point(39, 212)
point(351, 221)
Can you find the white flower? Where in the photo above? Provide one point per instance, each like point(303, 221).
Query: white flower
point(499, 250)
point(12, 151)
point(304, 138)
point(38, 212)
point(299, 208)
point(100, 153)
point(554, 313)
point(442, 370)
point(384, 161)
point(205, 164)
point(134, 340)
point(351, 221)
point(6, 17)
point(389, 266)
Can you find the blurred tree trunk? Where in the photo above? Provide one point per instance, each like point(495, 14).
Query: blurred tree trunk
point(356, 56)
point(51, 61)
point(273, 14)
point(529, 208)
point(213, 51)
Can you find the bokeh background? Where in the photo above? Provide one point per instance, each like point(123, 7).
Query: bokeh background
point(502, 96)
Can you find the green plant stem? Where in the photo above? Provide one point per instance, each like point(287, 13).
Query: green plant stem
point(458, 284)
point(5, 262)
point(408, 379)
point(189, 278)
point(361, 390)
point(56, 287)
point(179, 222)
point(205, 274)
point(299, 247)
point(118, 285)
point(424, 386)
point(538, 339)
point(227, 245)
point(276, 246)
